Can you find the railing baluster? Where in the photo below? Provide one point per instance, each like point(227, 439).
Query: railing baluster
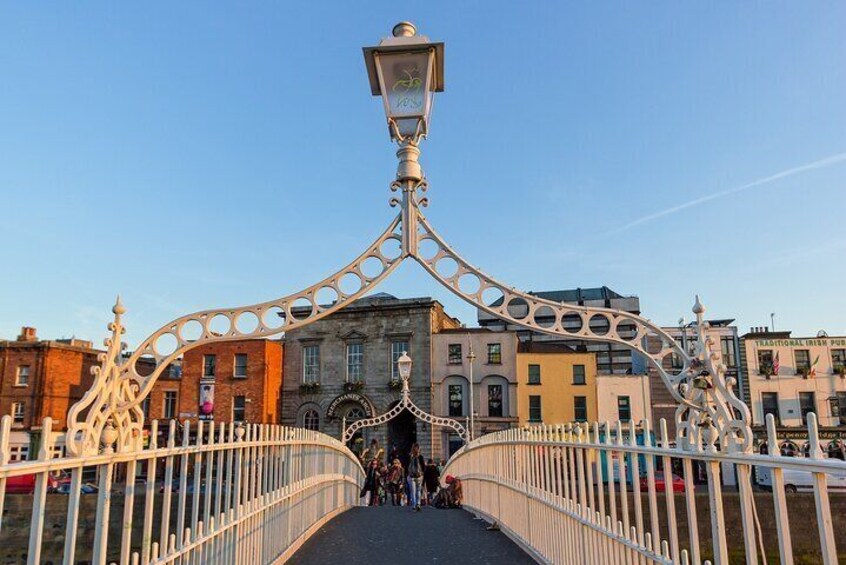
point(39, 498)
point(782, 520)
point(826, 528)
point(164, 545)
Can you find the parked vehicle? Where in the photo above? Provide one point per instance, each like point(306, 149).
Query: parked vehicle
point(660, 483)
point(795, 481)
point(25, 484)
point(86, 488)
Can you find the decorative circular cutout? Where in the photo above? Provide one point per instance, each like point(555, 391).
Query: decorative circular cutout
point(371, 267)
point(165, 344)
point(627, 330)
point(652, 343)
point(350, 283)
point(302, 308)
point(273, 318)
point(493, 296)
point(247, 323)
point(447, 267)
point(391, 249)
point(326, 297)
point(518, 308)
point(572, 322)
point(145, 365)
point(599, 324)
point(428, 248)
point(545, 317)
point(192, 330)
point(469, 283)
point(219, 325)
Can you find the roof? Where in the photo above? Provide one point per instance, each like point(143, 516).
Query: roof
point(574, 295)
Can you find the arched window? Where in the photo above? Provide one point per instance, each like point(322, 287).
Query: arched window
point(355, 413)
point(311, 420)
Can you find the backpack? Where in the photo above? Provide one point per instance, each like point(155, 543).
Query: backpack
point(414, 468)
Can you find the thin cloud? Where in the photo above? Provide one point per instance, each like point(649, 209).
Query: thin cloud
point(822, 163)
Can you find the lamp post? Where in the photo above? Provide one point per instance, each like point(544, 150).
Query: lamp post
point(404, 368)
point(406, 70)
point(471, 357)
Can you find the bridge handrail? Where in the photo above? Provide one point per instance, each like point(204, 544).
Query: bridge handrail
point(587, 493)
point(206, 493)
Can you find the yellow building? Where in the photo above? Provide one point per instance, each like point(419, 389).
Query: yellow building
point(555, 385)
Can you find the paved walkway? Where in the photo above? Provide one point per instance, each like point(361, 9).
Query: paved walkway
point(397, 535)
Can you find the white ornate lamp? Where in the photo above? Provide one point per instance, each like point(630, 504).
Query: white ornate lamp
point(404, 367)
point(406, 70)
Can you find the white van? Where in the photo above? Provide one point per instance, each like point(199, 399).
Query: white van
point(795, 481)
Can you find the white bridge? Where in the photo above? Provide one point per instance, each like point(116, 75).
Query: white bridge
point(566, 494)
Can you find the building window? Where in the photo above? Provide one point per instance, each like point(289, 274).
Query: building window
point(803, 360)
point(456, 400)
point(18, 409)
point(145, 407)
point(769, 402)
point(765, 361)
point(240, 366)
point(580, 408)
point(454, 356)
point(727, 345)
point(239, 408)
point(18, 453)
point(841, 408)
point(170, 404)
point(579, 375)
point(675, 358)
point(624, 408)
point(22, 377)
point(495, 353)
point(174, 371)
point(209, 362)
point(838, 359)
point(495, 401)
point(397, 349)
point(355, 362)
point(311, 420)
point(534, 374)
point(807, 404)
point(535, 414)
point(311, 363)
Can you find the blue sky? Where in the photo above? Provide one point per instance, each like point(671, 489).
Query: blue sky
point(196, 155)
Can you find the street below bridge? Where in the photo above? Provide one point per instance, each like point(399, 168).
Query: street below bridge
point(389, 534)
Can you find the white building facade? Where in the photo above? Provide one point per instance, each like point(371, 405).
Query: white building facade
point(494, 374)
point(623, 397)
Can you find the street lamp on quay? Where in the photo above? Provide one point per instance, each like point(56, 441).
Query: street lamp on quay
point(471, 357)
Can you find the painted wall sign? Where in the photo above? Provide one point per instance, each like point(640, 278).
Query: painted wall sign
point(802, 342)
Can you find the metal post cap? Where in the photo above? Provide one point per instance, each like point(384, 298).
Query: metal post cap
point(404, 29)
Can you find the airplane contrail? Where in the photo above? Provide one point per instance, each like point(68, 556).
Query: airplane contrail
point(827, 162)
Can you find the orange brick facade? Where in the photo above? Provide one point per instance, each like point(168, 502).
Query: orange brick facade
point(259, 389)
point(59, 374)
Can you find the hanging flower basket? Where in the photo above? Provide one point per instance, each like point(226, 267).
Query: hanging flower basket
point(309, 388)
point(354, 386)
point(395, 384)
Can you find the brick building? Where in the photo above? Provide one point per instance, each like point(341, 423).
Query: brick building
point(41, 378)
point(231, 381)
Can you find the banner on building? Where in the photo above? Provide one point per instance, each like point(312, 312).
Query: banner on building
point(206, 411)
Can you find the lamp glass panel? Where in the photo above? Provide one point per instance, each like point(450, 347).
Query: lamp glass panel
point(407, 84)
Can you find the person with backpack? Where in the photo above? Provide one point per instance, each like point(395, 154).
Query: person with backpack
point(432, 479)
point(395, 481)
point(416, 466)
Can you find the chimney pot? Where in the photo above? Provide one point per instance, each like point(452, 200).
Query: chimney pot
point(28, 334)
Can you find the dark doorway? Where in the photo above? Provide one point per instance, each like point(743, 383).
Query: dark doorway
point(402, 434)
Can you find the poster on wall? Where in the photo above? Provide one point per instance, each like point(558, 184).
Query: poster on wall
point(206, 411)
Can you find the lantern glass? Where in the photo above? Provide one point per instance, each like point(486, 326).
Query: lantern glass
point(406, 83)
point(404, 365)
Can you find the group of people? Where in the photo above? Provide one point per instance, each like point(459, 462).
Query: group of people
point(414, 482)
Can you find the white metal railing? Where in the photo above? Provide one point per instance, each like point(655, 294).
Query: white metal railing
point(207, 493)
point(588, 494)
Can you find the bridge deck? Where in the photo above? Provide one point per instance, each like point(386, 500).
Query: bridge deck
point(395, 535)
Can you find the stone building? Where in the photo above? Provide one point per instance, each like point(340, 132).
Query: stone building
point(494, 380)
point(343, 367)
point(41, 378)
point(230, 381)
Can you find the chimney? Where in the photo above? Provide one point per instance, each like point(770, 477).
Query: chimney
point(27, 334)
